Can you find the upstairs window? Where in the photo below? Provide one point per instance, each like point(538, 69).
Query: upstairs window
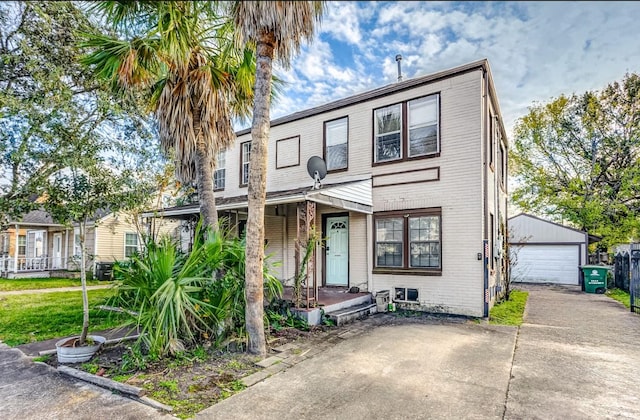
point(407, 130)
point(336, 139)
point(423, 126)
point(219, 176)
point(245, 154)
point(388, 133)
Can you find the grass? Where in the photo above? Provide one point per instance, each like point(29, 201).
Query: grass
point(28, 318)
point(621, 296)
point(509, 312)
point(8, 285)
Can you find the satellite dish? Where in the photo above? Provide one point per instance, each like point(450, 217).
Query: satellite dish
point(317, 169)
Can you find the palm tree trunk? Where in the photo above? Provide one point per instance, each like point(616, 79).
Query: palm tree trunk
point(204, 178)
point(254, 313)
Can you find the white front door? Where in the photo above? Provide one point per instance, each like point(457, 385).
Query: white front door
point(337, 251)
point(57, 251)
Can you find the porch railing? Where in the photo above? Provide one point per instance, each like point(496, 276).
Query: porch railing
point(9, 264)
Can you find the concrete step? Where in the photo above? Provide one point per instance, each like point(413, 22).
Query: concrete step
point(345, 315)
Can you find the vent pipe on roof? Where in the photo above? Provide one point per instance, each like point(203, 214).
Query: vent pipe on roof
point(398, 59)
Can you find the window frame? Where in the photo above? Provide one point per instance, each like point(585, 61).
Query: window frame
point(406, 243)
point(404, 131)
point(77, 246)
point(223, 169)
point(324, 143)
point(22, 238)
point(242, 162)
point(135, 235)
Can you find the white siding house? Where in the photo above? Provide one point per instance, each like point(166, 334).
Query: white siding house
point(546, 252)
point(414, 202)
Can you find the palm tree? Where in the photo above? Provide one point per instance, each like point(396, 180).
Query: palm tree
point(183, 54)
point(277, 29)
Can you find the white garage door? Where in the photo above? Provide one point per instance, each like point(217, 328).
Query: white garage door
point(547, 264)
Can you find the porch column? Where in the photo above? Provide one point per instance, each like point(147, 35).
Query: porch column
point(66, 248)
point(370, 252)
point(15, 250)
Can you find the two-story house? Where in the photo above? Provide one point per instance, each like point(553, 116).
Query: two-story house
point(414, 201)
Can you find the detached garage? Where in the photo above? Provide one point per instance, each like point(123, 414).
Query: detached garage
point(546, 252)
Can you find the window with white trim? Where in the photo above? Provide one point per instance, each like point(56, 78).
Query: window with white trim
point(408, 240)
point(130, 244)
point(407, 130)
point(77, 246)
point(219, 176)
point(336, 139)
point(245, 155)
point(22, 245)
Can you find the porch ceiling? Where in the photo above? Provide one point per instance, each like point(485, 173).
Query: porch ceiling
point(352, 196)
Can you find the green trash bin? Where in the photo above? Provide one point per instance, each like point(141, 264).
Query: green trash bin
point(595, 278)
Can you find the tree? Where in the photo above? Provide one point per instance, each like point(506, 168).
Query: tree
point(277, 29)
point(183, 54)
point(578, 158)
point(76, 194)
point(50, 106)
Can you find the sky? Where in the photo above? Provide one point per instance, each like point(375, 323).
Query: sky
point(536, 50)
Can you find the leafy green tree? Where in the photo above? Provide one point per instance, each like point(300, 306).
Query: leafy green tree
point(277, 29)
point(183, 55)
point(578, 158)
point(78, 192)
point(50, 106)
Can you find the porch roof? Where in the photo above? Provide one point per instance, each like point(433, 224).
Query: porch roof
point(352, 196)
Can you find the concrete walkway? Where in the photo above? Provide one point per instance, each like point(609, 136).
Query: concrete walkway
point(54, 290)
point(578, 356)
point(34, 391)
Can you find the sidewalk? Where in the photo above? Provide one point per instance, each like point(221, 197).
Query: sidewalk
point(53, 290)
point(31, 390)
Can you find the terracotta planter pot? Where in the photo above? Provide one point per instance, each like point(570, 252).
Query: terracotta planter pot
point(79, 354)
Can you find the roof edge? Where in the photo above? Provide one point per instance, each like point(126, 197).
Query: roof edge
point(378, 92)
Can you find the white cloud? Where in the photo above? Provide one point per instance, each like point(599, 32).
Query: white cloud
point(536, 50)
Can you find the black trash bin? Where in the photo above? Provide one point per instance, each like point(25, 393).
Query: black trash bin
point(104, 271)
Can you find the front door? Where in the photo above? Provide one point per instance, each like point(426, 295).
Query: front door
point(57, 251)
point(337, 251)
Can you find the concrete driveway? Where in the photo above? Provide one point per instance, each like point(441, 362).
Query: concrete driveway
point(405, 371)
point(578, 356)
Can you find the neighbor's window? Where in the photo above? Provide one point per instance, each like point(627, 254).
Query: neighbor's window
point(336, 143)
point(408, 240)
point(388, 133)
point(219, 176)
point(77, 246)
point(22, 245)
point(245, 154)
point(407, 130)
point(130, 244)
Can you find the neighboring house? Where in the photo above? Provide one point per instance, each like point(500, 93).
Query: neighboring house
point(36, 246)
point(546, 252)
point(415, 198)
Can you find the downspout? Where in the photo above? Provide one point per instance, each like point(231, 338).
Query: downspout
point(95, 248)
point(370, 250)
point(485, 143)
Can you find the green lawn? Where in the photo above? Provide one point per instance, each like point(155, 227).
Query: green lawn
point(7, 285)
point(621, 296)
point(509, 312)
point(27, 318)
